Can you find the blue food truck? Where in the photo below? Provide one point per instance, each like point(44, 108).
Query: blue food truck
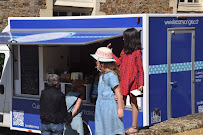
point(32, 47)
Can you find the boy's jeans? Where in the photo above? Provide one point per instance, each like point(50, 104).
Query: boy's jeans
point(52, 129)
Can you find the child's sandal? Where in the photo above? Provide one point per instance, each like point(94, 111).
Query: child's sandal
point(127, 131)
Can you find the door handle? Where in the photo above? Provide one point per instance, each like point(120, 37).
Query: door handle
point(172, 83)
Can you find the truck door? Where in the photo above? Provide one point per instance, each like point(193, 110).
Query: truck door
point(4, 100)
point(180, 75)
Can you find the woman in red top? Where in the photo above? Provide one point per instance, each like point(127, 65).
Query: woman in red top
point(131, 69)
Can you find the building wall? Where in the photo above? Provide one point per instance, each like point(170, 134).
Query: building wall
point(45, 8)
point(19, 8)
point(48, 11)
point(111, 7)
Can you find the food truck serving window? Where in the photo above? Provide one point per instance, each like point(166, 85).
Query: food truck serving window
point(37, 52)
point(40, 52)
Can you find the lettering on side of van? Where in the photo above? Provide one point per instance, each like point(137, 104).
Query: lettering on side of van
point(184, 22)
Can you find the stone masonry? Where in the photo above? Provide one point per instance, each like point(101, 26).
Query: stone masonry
point(112, 7)
point(19, 8)
point(177, 125)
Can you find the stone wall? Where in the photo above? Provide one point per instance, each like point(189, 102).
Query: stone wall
point(177, 125)
point(19, 8)
point(112, 7)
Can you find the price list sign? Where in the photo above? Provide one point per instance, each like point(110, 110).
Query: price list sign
point(29, 70)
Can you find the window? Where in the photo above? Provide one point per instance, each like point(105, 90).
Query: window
point(2, 58)
point(59, 13)
point(189, 1)
point(62, 14)
point(190, 6)
point(75, 14)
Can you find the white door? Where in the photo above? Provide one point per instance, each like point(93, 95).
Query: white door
point(5, 85)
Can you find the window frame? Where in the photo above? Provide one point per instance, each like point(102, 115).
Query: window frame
point(17, 91)
point(186, 2)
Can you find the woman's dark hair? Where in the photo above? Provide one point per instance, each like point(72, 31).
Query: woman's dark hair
point(132, 41)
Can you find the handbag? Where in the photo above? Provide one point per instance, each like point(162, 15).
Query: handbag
point(69, 114)
point(69, 117)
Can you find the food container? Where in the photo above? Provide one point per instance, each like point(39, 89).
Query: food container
point(76, 76)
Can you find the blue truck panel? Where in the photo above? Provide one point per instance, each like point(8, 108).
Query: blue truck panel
point(180, 67)
point(126, 22)
point(26, 115)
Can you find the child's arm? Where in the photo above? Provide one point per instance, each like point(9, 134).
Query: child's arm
point(118, 60)
point(119, 101)
point(77, 106)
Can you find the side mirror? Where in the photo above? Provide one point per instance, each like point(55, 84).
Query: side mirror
point(1, 89)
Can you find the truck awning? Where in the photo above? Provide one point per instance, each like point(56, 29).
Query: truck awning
point(64, 37)
point(81, 30)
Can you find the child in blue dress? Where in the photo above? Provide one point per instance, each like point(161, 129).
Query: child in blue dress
point(108, 111)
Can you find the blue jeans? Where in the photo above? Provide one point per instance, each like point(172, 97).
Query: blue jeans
point(52, 129)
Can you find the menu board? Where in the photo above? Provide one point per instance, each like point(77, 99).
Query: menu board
point(29, 57)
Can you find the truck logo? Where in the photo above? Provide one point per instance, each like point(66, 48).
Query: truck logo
point(43, 37)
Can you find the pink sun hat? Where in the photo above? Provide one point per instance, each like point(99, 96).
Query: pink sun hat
point(103, 54)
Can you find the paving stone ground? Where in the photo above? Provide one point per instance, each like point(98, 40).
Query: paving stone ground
point(192, 132)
